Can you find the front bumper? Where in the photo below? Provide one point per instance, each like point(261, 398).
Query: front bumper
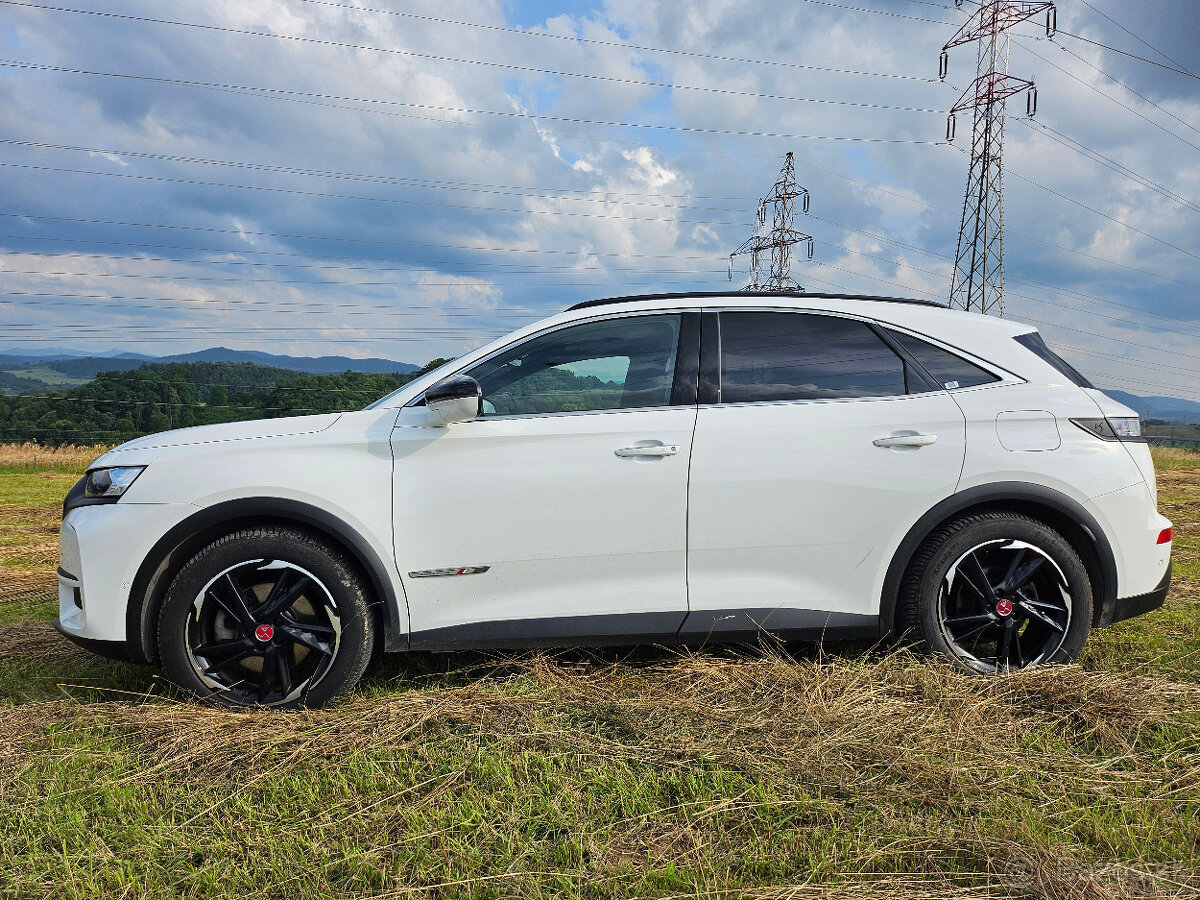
point(118, 650)
point(101, 548)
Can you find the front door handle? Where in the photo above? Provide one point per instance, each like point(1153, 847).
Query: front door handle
point(910, 439)
point(654, 451)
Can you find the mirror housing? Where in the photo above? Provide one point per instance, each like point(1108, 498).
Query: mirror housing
point(458, 398)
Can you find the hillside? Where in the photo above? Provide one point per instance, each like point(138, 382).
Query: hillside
point(35, 374)
point(120, 405)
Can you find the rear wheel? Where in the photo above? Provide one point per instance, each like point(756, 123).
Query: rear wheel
point(997, 592)
point(268, 616)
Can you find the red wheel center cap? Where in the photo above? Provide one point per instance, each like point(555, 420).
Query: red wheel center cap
point(1004, 607)
point(264, 633)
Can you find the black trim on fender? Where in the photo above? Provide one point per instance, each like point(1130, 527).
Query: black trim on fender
point(1128, 607)
point(738, 625)
point(118, 650)
point(1011, 495)
point(142, 610)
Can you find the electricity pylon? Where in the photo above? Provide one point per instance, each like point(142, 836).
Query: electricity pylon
point(978, 281)
point(780, 239)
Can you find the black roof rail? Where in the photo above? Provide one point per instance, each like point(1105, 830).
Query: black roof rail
point(688, 295)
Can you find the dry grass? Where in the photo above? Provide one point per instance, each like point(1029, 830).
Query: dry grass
point(756, 775)
point(36, 458)
point(909, 779)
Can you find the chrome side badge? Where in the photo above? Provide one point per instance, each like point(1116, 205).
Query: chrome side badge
point(437, 573)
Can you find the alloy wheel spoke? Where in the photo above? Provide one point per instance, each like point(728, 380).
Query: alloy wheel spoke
point(973, 574)
point(1010, 574)
point(1004, 645)
point(222, 647)
point(269, 671)
point(974, 624)
point(214, 668)
point(300, 634)
point(1036, 613)
point(284, 599)
point(1024, 574)
point(282, 655)
point(241, 609)
point(1016, 647)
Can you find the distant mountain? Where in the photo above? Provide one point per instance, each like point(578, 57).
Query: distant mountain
point(1169, 409)
point(76, 366)
point(314, 365)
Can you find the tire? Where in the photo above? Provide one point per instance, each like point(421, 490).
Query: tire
point(267, 617)
point(996, 592)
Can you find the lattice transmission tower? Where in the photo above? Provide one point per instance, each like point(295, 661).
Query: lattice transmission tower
point(978, 281)
point(781, 237)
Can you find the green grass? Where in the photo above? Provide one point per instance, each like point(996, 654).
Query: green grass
point(51, 377)
point(592, 775)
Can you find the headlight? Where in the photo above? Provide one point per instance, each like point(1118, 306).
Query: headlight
point(110, 483)
point(1114, 428)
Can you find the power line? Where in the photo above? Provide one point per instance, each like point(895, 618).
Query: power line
point(325, 42)
point(1152, 62)
point(692, 54)
point(1100, 12)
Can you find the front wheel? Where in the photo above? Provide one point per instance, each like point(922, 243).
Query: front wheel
point(996, 592)
point(267, 617)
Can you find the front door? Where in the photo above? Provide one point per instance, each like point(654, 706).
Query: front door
point(560, 513)
point(822, 448)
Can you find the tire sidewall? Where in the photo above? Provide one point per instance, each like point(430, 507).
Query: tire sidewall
point(326, 564)
point(955, 541)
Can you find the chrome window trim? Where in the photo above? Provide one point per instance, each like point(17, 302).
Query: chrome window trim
point(1004, 376)
point(642, 313)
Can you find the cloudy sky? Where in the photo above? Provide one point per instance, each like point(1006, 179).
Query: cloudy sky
point(408, 179)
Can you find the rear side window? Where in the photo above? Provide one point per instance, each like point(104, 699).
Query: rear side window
point(1033, 342)
point(948, 370)
point(798, 356)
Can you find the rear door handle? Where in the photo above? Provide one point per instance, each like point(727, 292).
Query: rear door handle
point(905, 440)
point(654, 450)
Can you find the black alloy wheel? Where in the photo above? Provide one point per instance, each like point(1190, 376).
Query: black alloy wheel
point(997, 592)
point(1004, 605)
point(263, 631)
point(266, 617)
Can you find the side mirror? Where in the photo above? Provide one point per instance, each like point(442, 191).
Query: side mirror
point(458, 398)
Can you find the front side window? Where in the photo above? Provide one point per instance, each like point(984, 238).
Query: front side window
point(614, 364)
point(800, 356)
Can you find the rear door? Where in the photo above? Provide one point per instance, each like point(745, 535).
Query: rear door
point(819, 443)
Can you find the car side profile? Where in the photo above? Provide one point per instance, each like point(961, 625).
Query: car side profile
point(678, 469)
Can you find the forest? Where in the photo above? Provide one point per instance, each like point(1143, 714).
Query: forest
point(121, 405)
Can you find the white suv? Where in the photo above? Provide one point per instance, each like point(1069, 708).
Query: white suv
point(672, 468)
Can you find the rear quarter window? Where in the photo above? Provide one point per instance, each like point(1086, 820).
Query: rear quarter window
point(948, 370)
point(1034, 343)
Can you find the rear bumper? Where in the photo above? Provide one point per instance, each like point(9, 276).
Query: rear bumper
point(1128, 607)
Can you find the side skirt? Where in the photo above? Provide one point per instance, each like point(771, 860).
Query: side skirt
point(693, 629)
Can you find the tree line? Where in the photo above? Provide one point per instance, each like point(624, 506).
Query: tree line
point(120, 406)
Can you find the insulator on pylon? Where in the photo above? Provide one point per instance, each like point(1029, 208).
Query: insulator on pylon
point(1031, 102)
point(731, 267)
point(943, 65)
point(951, 127)
point(810, 248)
point(1051, 22)
point(805, 204)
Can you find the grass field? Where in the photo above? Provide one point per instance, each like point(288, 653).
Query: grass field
point(842, 774)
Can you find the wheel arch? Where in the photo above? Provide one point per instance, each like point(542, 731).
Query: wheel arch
point(1060, 512)
point(185, 539)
